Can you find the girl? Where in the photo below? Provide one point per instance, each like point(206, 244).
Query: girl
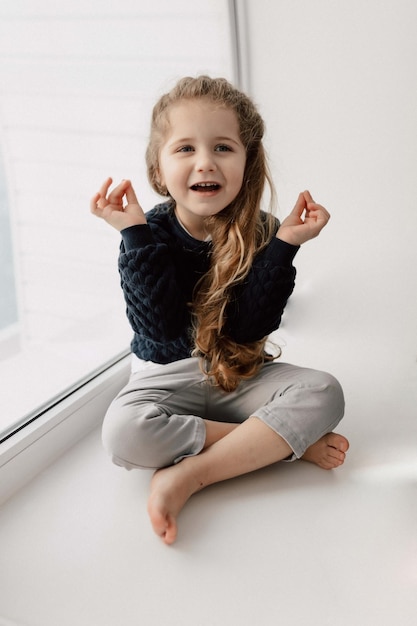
point(206, 276)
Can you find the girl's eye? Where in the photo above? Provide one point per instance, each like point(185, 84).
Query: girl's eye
point(185, 149)
point(223, 148)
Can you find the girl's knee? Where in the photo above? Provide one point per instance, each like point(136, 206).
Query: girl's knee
point(329, 393)
point(130, 436)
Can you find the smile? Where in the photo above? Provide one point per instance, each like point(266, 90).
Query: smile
point(204, 187)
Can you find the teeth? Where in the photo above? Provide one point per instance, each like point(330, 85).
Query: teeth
point(202, 185)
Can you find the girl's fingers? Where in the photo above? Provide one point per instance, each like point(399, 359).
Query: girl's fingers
point(300, 205)
point(318, 211)
point(307, 196)
point(100, 198)
point(105, 187)
point(116, 194)
point(130, 195)
point(109, 205)
point(93, 204)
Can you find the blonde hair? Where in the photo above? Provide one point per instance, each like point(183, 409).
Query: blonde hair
point(238, 232)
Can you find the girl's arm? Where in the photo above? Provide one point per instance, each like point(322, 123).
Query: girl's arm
point(155, 306)
point(257, 305)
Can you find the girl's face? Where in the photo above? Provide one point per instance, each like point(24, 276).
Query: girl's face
point(202, 161)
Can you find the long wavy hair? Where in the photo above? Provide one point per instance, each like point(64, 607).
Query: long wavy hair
point(238, 232)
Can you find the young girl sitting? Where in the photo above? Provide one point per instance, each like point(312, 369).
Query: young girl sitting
point(206, 276)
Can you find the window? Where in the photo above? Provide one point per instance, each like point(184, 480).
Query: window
point(78, 83)
point(8, 302)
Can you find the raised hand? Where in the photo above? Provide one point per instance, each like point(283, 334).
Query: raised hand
point(305, 221)
point(119, 207)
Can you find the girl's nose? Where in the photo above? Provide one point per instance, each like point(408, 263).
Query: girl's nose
point(205, 161)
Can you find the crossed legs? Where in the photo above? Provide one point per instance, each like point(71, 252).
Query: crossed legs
point(230, 451)
point(170, 414)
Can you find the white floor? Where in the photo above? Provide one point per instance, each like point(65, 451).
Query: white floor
point(289, 544)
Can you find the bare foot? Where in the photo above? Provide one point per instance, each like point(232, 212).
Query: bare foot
point(171, 487)
point(328, 452)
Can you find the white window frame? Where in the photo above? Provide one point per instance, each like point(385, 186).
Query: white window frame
point(40, 443)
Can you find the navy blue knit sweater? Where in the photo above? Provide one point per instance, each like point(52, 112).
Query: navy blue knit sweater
point(160, 264)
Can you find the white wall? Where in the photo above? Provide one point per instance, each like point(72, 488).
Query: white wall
point(337, 85)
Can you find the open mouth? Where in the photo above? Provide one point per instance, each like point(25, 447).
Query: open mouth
point(204, 187)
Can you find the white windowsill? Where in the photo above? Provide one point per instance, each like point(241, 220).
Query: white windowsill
point(40, 443)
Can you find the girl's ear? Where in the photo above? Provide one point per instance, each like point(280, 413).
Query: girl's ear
point(158, 175)
point(162, 189)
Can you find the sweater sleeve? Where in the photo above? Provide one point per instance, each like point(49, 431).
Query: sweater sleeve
point(257, 304)
point(155, 304)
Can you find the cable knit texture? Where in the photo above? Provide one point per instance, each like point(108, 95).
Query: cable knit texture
point(160, 265)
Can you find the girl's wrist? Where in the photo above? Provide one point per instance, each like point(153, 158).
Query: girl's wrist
point(137, 236)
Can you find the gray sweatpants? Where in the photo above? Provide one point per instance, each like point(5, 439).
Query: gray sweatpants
point(158, 417)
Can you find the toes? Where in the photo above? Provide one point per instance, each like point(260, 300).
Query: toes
point(335, 454)
point(335, 457)
point(329, 464)
point(163, 522)
point(164, 525)
point(337, 441)
point(170, 534)
point(328, 452)
point(158, 520)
